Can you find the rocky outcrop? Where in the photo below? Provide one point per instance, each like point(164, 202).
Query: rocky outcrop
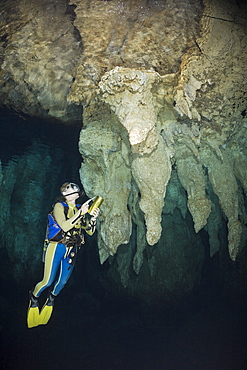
point(106, 171)
point(128, 92)
point(40, 49)
point(194, 137)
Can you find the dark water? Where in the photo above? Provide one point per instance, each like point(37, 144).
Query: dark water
point(17, 136)
point(86, 333)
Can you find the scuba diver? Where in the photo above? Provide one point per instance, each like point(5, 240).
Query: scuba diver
point(64, 237)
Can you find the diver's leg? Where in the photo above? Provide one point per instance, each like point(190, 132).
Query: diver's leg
point(53, 257)
point(65, 272)
point(54, 254)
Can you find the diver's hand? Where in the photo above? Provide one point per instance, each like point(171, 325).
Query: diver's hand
point(95, 214)
point(85, 206)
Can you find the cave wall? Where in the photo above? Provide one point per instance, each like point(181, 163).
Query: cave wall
point(40, 49)
point(162, 87)
point(167, 115)
point(187, 116)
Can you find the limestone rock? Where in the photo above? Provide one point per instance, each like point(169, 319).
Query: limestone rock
point(40, 52)
point(192, 178)
point(224, 184)
point(106, 172)
point(130, 34)
point(152, 173)
point(128, 92)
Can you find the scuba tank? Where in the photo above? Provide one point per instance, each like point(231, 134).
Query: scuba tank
point(96, 204)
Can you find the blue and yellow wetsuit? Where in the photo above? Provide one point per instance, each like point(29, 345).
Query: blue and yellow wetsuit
point(58, 254)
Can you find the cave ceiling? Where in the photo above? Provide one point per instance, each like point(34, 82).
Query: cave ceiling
point(157, 85)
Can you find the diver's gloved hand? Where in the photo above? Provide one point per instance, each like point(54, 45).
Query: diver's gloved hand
point(84, 207)
point(95, 214)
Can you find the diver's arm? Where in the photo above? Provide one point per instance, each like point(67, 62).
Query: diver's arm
point(91, 225)
point(60, 218)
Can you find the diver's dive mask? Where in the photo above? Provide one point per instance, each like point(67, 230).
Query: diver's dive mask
point(70, 188)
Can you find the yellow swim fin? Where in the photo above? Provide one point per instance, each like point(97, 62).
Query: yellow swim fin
point(33, 312)
point(46, 311)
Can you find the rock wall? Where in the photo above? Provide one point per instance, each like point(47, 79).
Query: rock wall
point(40, 48)
point(189, 118)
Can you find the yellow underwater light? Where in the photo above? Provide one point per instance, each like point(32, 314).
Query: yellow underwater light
point(96, 204)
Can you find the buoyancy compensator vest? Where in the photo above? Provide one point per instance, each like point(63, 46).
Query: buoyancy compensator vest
point(73, 239)
point(54, 232)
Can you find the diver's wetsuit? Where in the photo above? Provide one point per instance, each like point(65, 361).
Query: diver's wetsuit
point(58, 254)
